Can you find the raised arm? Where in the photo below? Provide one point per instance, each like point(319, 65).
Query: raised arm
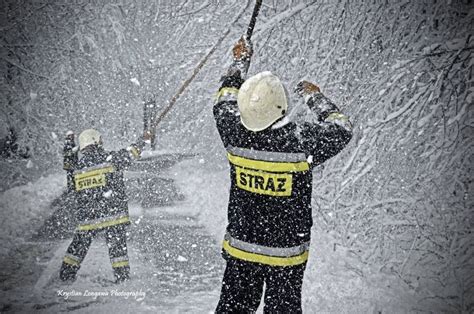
point(332, 131)
point(225, 108)
point(70, 151)
point(123, 158)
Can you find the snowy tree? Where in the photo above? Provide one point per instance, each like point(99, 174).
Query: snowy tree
point(399, 197)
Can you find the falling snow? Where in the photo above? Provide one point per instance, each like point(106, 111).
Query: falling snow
point(392, 212)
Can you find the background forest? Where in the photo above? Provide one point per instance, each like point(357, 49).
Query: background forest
point(399, 197)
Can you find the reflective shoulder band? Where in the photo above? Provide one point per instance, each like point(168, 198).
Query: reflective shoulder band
point(95, 170)
point(271, 166)
point(266, 156)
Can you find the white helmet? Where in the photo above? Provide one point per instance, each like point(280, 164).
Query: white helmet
point(262, 100)
point(89, 137)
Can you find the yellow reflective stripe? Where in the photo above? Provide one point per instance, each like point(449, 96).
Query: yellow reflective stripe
point(86, 174)
point(227, 90)
point(337, 116)
point(104, 224)
point(120, 264)
point(135, 152)
point(264, 259)
point(70, 261)
point(267, 165)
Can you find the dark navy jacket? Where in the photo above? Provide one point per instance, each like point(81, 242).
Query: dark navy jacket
point(271, 171)
point(101, 199)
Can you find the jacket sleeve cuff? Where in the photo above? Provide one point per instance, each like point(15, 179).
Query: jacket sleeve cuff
point(229, 88)
point(134, 151)
point(320, 105)
point(327, 111)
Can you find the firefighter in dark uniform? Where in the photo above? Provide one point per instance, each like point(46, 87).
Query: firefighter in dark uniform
point(271, 160)
point(70, 152)
point(101, 204)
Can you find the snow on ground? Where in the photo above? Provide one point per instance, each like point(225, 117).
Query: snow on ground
point(334, 282)
point(206, 193)
point(174, 261)
point(94, 291)
point(24, 208)
point(331, 284)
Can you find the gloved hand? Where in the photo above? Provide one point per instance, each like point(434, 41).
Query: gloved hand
point(69, 151)
point(243, 49)
point(139, 145)
point(147, 136)
point(305, 88)
point(135, 149)
point(69, 143)
point(69, 136)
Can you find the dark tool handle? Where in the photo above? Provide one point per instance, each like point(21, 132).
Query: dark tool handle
point(157, 119)
point(253, 20)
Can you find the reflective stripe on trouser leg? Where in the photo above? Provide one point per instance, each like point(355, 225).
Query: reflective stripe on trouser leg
point(116, 239)
point(121, 261)
point(75, 254)
point(78, 248)
point(72, 260)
